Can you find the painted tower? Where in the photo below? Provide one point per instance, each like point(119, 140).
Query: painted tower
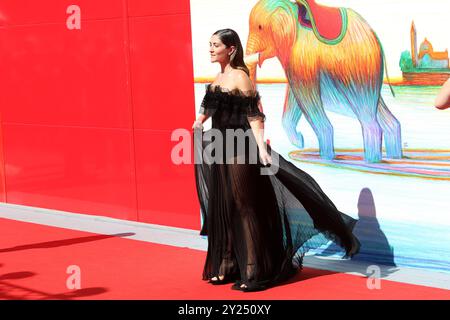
point(414, 54)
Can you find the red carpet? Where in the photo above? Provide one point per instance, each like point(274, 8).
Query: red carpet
point(34, 261)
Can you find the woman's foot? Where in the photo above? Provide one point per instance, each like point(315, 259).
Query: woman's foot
point(215, 278)
point(222, 279)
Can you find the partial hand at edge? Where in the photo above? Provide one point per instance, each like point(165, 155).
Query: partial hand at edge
point(265, 157)
point(197, 125)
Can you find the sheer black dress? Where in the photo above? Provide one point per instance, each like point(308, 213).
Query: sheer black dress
point(259, 227)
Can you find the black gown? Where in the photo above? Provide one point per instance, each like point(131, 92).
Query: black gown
point(259, 227)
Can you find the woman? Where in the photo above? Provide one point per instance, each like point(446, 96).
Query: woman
point(259, 226)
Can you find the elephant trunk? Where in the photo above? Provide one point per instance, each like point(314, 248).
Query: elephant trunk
point(251, 60)
point(252, 69)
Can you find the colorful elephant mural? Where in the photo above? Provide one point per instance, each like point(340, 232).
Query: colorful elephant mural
point(332, 60)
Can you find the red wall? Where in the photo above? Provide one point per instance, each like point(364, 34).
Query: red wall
point(86, 115)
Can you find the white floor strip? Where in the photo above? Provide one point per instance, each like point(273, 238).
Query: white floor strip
point(187, 238)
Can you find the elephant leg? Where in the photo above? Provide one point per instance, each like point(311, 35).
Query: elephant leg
point(291, 116)
point(311, 104)
point(391, 131)
point(372, 135)
point(363, 101)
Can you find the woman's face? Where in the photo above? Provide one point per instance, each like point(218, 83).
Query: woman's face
point(219, 52)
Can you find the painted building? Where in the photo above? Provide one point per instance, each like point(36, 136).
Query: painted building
point(426, 57)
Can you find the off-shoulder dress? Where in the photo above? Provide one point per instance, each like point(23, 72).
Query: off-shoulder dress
point(259, 226)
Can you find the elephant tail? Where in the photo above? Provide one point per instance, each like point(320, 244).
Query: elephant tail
point(385, 64)
point(387, 76)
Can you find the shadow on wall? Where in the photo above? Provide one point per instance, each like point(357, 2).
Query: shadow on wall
point(375, 247)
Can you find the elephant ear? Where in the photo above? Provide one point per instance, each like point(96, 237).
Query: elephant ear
point(284, 28)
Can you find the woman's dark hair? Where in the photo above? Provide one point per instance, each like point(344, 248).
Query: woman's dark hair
point(229, 38)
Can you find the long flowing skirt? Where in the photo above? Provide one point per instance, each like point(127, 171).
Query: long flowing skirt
point(259, 227)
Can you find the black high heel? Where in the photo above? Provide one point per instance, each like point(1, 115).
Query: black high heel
point(357, 244)
point(228, 278)
point(248, 287)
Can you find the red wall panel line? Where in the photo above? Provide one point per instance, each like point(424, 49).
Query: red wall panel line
point(127, 55)
point(2, 165)
point(163, 100)
point(75, 169)
point(32, 12)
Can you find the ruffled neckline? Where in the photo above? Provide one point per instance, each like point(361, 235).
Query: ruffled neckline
point(231, 92)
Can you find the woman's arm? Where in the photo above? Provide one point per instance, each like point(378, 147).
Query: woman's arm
point(202, 117)
point(256, 123)
point(258, 131)
point(198, 123)
point(257, 126)
point(443, 98)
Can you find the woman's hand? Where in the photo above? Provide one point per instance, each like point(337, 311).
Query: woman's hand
point(197, 124)
point(443, 98)
point(265, 157)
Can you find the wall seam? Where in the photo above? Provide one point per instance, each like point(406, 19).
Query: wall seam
point(126, 29)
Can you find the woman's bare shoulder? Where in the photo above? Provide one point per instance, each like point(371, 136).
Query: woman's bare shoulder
point(242, 81)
